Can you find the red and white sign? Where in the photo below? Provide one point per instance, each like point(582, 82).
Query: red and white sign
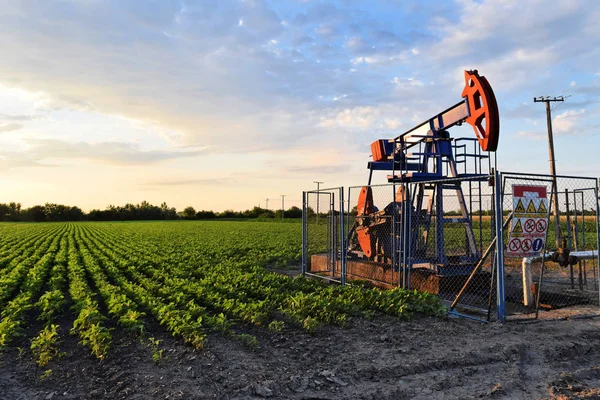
point(530, 221)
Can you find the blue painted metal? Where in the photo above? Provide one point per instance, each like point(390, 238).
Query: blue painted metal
point(389, 166)
point(344, 254)
point(304, 235)
point(500, 288)
point(435, 152)
point(467, 316)
point(597, 231)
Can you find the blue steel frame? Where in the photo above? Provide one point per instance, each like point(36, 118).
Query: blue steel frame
point(500, 287)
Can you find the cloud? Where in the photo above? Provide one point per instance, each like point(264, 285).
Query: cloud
point(118, 153)
point(532, 135)
point(18, 118)
point(185, 182)
point(289, 78)
point(518, 43)
point(10, 160)
point(407, 82)
point(10, 127)
point(326, 31)
point(567, 121)
point(526, 110)
point(384, 120)
point(319, 169)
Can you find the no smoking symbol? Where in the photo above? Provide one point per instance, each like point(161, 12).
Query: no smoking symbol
point(514, 245)
point(530, 225)
point(526, 244)
point(541, 225)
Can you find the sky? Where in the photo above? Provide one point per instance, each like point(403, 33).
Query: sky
point(224, 104)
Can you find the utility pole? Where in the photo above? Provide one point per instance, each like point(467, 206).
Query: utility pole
point(548, 100)
point(282, 205)
point(318, 187)
point(267, 200)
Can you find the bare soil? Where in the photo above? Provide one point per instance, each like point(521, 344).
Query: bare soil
point(384, 358)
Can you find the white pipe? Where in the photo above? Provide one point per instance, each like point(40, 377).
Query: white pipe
point(528, 276)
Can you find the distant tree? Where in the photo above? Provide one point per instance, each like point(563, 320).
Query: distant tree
point(228, 214)
point(267, 214)
point(4, 212)
point(36, 213)
point(168, 212)
point(203, 214)
point(293, 212)
point(189, 213)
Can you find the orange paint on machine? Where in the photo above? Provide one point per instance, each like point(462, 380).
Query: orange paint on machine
point(378, 150)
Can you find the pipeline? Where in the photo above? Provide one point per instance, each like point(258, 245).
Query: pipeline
point(527, 273)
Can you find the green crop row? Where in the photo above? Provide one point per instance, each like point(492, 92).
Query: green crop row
point(191, 278)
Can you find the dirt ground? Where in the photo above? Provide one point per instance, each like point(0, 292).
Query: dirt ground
point(380, 359)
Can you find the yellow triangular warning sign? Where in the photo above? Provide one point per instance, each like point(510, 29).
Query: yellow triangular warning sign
point(542, 208)
point(519, 208)
point(518, 227)
point(530, 207)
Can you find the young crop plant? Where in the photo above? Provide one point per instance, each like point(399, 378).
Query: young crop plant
point(45, 346)
point(194, 279)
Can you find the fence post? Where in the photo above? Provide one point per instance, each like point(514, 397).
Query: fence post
point(500, 289)
point(597, 236)
point(304, 235)
point(342, 239)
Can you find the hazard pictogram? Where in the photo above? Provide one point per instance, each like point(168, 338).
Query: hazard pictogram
point(529, 225)
point(531, 207)
point(519, 208)
point(514, 245)
point(542, 208)
point(541, 225)
point(526, 244)
point(518, 227)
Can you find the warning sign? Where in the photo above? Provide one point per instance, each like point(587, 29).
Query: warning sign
point(518, 227)
point(529, 222)
point(542, 208)
point(519, 208)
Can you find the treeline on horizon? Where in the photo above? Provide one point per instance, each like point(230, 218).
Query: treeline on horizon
point(13, 212)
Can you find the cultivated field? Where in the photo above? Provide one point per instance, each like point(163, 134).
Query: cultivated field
point(190, 310)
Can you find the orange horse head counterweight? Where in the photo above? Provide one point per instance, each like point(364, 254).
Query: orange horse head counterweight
point(483, 110)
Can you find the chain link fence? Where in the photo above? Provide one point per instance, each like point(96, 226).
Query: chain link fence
point(440, 237)
point(428, 236)
point(565, 280)
point(323, 227)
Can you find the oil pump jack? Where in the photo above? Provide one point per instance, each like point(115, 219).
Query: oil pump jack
point(424, 163)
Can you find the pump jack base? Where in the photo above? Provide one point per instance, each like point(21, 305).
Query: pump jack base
point(381, 275)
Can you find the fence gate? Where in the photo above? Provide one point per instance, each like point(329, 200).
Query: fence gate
point(323, 234)
point(551, 253)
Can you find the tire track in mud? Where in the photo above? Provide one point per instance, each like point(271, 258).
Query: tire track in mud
point(519, 365)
